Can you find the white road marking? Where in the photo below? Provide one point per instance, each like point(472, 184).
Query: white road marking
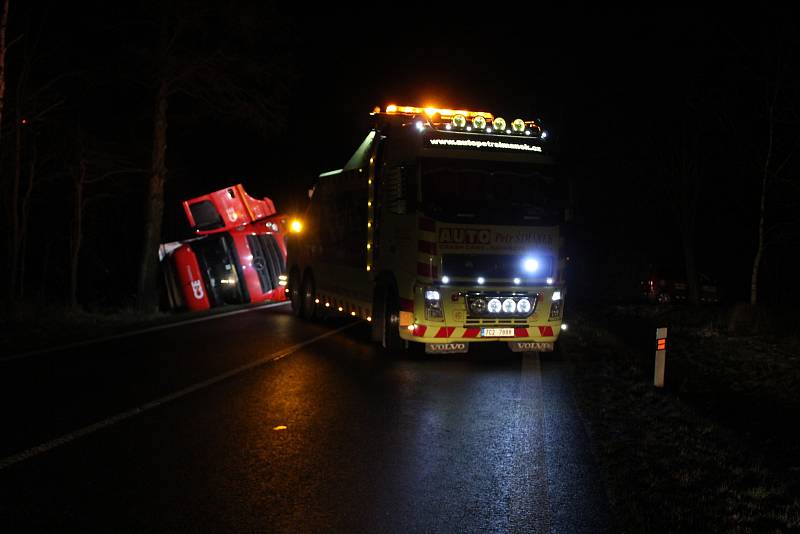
point(530, 498)
point(105, 423)
point(137, 332)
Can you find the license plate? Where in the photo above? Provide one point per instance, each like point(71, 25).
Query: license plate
point(497, 332)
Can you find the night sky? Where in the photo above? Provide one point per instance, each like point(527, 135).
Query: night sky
point(617, 89)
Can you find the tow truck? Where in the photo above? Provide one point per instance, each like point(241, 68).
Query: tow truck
point(443, 228)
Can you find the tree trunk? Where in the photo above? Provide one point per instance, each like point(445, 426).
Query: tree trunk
point(147, 293)
point(25, 216)
point(686, 166)
point(762, 209)
point(760, 246)
point(76, 233)
point(14, 238)
point(3, 26)
point(692, 281)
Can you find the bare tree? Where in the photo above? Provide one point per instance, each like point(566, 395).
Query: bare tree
point(775, 159)
point(677, 178)
point(766, 99)
point(683, 193)
point(3, 49)
point(220, 77)
point(89, 168)
point(32, 104)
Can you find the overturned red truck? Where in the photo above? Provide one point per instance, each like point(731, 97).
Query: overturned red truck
point(239, 256)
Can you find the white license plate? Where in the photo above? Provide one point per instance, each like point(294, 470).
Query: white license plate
point(497, 332)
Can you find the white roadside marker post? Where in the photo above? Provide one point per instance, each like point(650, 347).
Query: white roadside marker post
point(661, 357)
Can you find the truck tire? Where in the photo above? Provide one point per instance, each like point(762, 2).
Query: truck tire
point(387, 320)
point(378, 296)
point(308, 295)
point(294, 292)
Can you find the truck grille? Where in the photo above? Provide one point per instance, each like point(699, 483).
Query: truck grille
point(267, 260)
point(517, 323)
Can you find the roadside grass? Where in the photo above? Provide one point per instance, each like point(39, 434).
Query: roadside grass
point(747, 377)
point(669, 464)
point(29, 326)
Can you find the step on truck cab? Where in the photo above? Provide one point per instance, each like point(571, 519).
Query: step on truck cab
point(443, 228)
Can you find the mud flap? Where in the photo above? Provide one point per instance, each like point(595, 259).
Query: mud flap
point(530, 346)
point(446, 348)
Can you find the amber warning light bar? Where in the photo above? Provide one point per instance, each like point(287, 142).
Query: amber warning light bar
point(465, 120)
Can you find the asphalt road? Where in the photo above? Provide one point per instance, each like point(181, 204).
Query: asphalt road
point(183, 430)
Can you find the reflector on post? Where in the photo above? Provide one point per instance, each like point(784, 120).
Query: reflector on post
point(661, 356)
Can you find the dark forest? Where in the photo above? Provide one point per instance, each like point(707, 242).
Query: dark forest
point(677, 129)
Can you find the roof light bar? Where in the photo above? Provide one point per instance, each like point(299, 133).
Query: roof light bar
point(445, 113)
point(462, 119)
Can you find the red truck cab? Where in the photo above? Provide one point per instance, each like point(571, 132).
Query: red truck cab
point(239, 257)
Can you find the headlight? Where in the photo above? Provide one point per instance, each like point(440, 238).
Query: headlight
point(479, 122)
point(509, 306)
point(524, 306)
point(530, 265)
point(494, 306)
point(499, 123)
point(433, 307)
point(459, 121)
point(478, 305)
point(518, 125)
point(556, 305)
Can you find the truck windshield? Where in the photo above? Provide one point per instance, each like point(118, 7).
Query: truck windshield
point(490, 192)
point(217, 263)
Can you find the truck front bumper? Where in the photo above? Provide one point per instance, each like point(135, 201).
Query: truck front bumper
point(456, 339)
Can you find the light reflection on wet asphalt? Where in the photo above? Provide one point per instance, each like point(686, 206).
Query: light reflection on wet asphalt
point(489, 441)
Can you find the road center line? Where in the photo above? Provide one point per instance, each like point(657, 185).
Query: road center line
point(530, 502)
point(114, 419)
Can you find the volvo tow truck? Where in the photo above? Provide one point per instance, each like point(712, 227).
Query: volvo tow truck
point(443, 228)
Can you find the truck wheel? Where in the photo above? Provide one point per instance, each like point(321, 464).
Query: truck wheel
point(294, 292)
point(378, 297)
point(309, 295)
point(387, 310)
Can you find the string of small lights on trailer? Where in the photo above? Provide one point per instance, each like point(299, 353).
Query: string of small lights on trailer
point(461, 120)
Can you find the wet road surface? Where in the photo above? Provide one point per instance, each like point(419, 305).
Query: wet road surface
point(182, 430)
